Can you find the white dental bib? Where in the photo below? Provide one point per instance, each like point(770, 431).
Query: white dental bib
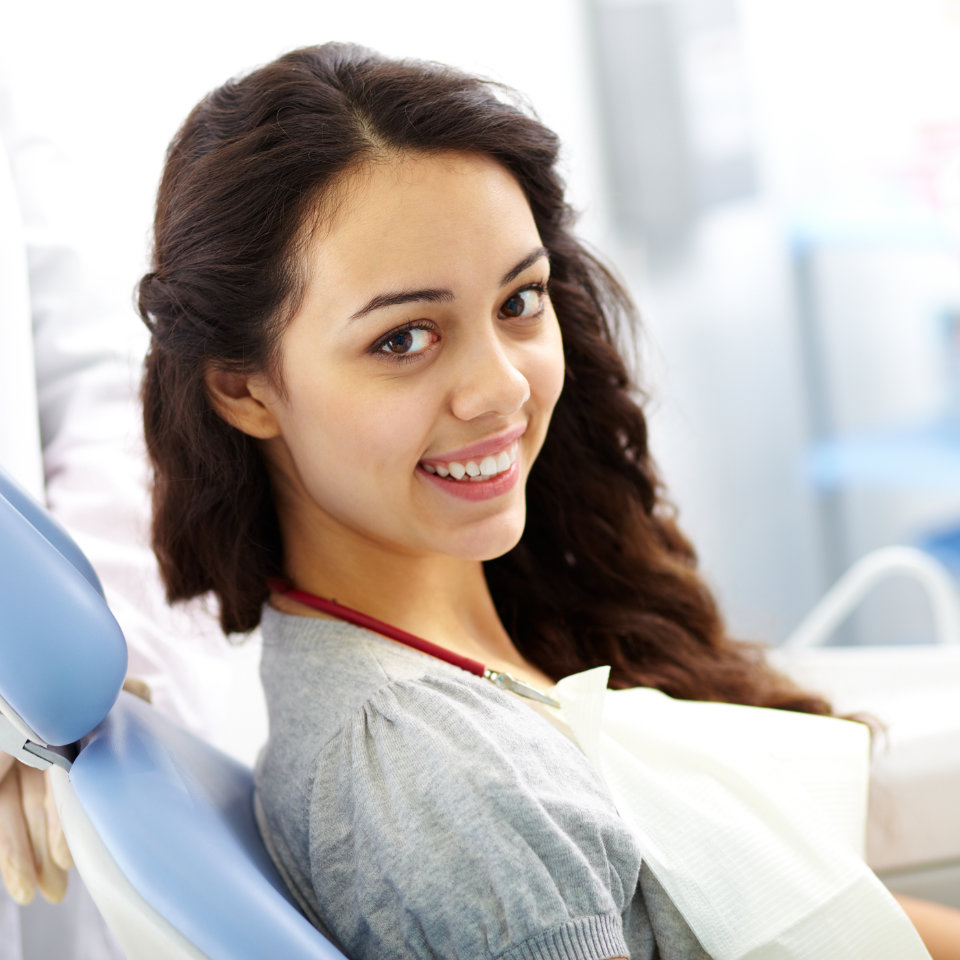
point(752, 819)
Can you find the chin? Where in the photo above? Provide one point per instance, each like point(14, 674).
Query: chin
point(493, 544)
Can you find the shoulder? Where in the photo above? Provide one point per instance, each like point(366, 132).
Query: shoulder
point(317, 672)
point(451, 820)
point(440, 816)
point(333, 688)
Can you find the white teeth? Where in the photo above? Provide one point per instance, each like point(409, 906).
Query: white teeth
point(488, 467)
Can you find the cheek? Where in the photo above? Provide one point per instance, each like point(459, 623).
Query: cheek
point(548, 370)
point(342, 430)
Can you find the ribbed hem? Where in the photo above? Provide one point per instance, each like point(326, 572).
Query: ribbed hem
point(589, 938)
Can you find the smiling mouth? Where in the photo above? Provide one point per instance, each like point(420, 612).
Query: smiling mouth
point(474, 471)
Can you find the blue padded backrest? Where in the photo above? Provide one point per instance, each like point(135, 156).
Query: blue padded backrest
point(177, 817)
point(62, 655)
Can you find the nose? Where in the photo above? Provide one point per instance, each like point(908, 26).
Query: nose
point(488, 379)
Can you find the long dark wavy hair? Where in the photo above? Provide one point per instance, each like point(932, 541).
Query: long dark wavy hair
point(602, 574)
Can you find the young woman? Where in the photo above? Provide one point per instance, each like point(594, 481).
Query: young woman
point(383, 384)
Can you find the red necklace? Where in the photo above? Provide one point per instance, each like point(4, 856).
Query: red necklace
point(502, 680)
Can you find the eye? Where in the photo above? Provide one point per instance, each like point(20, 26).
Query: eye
point(407, 342)
point(527, 302)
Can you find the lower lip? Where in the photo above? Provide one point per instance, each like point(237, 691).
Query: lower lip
point(476, 489)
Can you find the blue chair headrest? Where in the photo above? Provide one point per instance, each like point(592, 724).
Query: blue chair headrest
point(48, 528)
point(62, 655)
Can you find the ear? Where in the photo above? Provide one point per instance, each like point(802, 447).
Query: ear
point(244, 400)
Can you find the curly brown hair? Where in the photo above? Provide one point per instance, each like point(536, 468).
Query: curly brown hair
point(602, 574)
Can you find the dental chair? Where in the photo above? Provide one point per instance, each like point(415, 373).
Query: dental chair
point(160, 824)
point(913, 832)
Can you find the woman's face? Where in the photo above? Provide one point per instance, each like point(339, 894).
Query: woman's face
point(425, 351)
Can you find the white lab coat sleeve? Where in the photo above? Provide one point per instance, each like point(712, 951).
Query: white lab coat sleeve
point(87, 356)
point(70, 431)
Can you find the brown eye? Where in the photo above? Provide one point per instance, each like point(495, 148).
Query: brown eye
point(522, 303)
point(400, 342)
point(407, 342)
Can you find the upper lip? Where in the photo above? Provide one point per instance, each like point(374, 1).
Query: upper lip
point(481, 449)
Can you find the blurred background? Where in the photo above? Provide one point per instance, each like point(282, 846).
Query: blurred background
point(778, 182)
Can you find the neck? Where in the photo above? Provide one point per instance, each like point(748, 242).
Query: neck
point(441, 598)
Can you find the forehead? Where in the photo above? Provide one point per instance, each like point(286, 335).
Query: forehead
point(418, 217)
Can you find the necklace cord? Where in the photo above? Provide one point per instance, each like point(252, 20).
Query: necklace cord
point(364, 620)
point(377, 626)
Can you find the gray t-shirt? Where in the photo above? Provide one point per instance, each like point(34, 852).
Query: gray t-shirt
point(416, 810)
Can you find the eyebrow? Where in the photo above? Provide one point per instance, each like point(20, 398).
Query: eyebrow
point(434, 295)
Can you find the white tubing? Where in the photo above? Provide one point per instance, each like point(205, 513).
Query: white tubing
point(840, 600)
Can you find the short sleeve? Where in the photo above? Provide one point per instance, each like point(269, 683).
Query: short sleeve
point(446, 821)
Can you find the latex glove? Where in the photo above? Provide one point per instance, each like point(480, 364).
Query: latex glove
point(33, 850)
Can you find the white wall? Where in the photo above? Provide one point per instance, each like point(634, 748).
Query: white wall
point(844, 95)
point(113, 79)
